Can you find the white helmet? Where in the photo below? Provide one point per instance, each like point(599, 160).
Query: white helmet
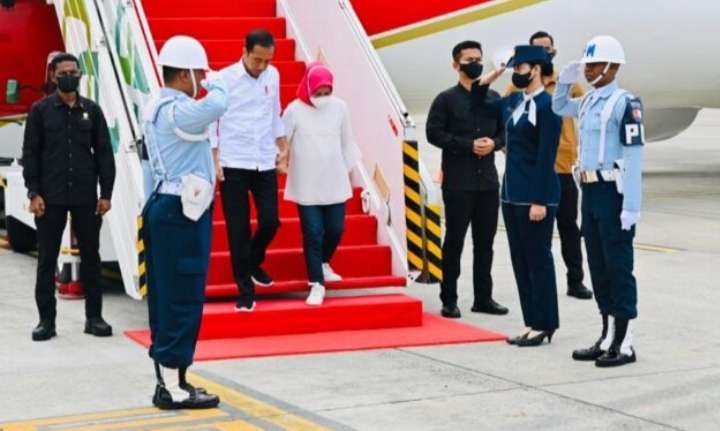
point(603, 49)
point(183, 52)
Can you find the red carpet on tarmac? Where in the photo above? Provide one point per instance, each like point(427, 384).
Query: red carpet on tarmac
point(434, 331)
point(288, 326)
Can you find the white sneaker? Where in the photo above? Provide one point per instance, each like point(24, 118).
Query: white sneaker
point(316, 296)
point(329, 274)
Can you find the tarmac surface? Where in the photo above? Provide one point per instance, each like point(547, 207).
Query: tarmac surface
point(83, 383)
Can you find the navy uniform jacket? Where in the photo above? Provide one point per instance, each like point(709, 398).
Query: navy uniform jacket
point(530, 176)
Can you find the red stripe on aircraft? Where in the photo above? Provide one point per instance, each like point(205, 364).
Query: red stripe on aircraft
point(378, 16)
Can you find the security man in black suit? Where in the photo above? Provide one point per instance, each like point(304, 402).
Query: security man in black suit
point(66, 152)
point(469, 130)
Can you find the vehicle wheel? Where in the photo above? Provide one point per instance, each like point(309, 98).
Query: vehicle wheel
point(22, 238)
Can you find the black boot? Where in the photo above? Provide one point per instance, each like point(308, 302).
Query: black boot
point(98, 327)
point(162, 398)
point(595, 351)
point(45, 330)
point(579, 291)
point(614, 357)
point(450, 311)
point(198, 398)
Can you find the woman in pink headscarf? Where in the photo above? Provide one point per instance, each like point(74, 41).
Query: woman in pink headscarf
point(322, 155)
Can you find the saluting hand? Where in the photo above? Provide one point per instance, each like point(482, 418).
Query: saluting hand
point(538, 212)
point(491, 76)
point(103, 206)
point(37, 206)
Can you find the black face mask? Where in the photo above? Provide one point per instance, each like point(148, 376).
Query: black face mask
point(68, 84)
point(548, 68)
point(472, 70)
point(521, 81)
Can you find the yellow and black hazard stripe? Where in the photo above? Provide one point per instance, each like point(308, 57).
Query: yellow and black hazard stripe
point(142, 265)
point(423, 234)
point(433, 241)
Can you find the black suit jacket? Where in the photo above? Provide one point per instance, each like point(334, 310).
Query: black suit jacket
point(457, 117)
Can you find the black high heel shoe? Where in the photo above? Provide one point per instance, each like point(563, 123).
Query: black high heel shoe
point(536, 340)
point(515, 340)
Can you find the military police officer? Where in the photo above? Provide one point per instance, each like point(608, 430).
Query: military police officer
point(611, 142)
point(177, 216)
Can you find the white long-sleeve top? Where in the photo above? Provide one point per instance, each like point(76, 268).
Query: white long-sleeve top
point(245, 136)
point(322, 153)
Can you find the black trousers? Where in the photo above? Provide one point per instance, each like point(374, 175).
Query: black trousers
point(610, 251)
point(567, 214)
point(86, 225)
point(248, 251)
point(533, 266)
point(464, 208)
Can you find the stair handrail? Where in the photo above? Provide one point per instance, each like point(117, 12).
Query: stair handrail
point(121, 82)
point(374, 102)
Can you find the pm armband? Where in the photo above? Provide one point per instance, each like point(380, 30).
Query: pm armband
point(632, 130)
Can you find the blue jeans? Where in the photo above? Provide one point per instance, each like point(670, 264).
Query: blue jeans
point(322, 228)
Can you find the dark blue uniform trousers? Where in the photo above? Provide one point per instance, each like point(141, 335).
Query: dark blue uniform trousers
point(177, 253)
point(533, 265)
point(609, 250)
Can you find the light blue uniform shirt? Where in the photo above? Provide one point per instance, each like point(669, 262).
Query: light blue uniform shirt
point(180, 157)
point(590, 124)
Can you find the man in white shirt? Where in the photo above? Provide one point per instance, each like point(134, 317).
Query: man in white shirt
point(246, 141)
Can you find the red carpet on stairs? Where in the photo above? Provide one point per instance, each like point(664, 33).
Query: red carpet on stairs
point(285, 326)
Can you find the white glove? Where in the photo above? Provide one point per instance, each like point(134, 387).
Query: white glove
point(570, 74)
point(628, 219)
point(213, 81)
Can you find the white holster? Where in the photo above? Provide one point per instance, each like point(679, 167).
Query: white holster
point(619, 172)
point(196, 197)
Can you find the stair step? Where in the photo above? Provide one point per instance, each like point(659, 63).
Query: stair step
point(289, 264)
point(293, 316)
point(215, 291)
point(288, 93)
point(231, 50)
point(209, 8)
point(359, 230)
point(289, 209)
point(215, 28)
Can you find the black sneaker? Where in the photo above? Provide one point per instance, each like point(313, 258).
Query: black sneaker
point(261, 278)
point(243, 306)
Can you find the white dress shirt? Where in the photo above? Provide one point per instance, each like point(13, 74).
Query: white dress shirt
point(245, 136)
point(322, 153)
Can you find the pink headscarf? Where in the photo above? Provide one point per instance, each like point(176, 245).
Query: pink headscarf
point(316, 76)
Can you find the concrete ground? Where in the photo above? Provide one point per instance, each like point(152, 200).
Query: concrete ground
point(488, 386)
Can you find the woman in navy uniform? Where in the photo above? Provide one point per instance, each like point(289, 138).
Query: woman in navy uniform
point(531, 192)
